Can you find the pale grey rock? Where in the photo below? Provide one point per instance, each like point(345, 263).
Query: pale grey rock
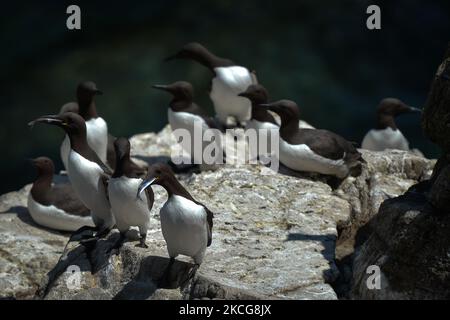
point(274, 234)
point(27, 251)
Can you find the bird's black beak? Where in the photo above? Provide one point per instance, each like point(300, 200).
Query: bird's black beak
point(98, 92)
point(51, 119)
point(245, 94)
point(414, 110)
point(32, 161)
point(167, 88)
point(270, 106)
point(144, 185)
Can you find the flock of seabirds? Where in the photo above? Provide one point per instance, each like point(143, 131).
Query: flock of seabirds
point(109, 190)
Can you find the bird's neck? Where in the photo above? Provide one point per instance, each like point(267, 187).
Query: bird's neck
point(126, 167)
point(260, 114)
point(78, 142)
point(385, 121)
point(178, 104)
point(41, 185)
point(175, 188)
point(87, 108)
point(210, 60)
point(288, 128)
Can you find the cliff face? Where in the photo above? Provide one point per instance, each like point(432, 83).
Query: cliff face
point(275, 236)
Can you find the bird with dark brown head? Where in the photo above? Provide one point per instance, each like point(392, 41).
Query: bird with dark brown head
point(386, 135)
point(122, 188)
point(313, 150)
point(55, 206)
point(186, 223)
point(87, 173)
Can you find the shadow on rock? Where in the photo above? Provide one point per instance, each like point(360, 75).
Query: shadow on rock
point(150, 276)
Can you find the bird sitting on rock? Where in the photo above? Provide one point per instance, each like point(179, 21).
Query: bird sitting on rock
point(313, 150)
point(386, 135)
point(55, 206)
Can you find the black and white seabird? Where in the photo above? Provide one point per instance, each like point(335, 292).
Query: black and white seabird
point(313, 150)
point(96, 127)
point(55, 206)
point(261, 118)
point(229, 80)
point(186, 223)
point(87, 173)
point(123, 186)
point(386, 135)
point(184, 113)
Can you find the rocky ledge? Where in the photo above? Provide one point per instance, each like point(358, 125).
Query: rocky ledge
point(276, 236)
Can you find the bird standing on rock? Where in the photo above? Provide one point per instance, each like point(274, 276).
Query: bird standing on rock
point(313, 150)
point(386, 135)
point(96, 127)
point(229, 80)
point(186, 223)
point(122, 189)
point(55, 206)
point(87, 173)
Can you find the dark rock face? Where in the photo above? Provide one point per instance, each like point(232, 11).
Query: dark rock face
point(436, 114)
point(409, 238)
point(410, 243)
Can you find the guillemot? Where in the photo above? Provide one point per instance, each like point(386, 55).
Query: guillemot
point(260, 117)
point(122, 189)
point(313, 150)
point(184, 113)
point(87, 173)
point(386, 135)
point(96, 127)
point(229, 80)
point(186, 223)
point(55, 206)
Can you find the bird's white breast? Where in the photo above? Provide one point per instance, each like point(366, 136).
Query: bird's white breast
point(184, 226)
point(86, 179)
point(301, 158)
point(226, 85)
point(128, 210)
point(64, 150)
point(55, 218)
point(379, 140)
point(97, 136)
point(188, 121)
point(263, 147)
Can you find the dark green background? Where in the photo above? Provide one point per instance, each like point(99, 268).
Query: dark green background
point(319, 54)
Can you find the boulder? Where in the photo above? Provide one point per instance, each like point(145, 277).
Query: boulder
point(274, 235)
point(410, 244)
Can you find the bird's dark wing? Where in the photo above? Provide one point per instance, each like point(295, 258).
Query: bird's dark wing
point(209, 219)
point(197, 110)
point(209, 214)
point(111, 153)
point(150, 198)
point(105, 181)
point(322, 142)
point(65, 198)
point(92, 156)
